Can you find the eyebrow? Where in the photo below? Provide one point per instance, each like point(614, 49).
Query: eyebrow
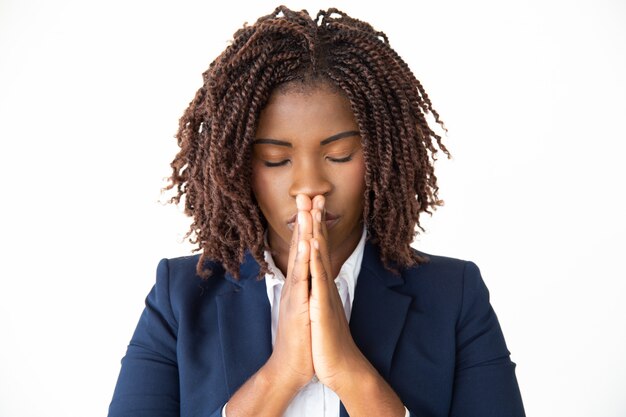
point(322, 143)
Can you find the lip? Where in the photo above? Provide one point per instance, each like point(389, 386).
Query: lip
point(330, 219)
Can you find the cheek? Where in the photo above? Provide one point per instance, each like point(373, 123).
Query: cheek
point(350, 189)
point(354, 182)
point(267, 190)
point(260, 188)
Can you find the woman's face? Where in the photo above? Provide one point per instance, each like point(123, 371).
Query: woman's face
point(307, 142)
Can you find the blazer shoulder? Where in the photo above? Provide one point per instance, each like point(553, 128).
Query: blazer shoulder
point(184, 268)
point(442, 277)
point(441, 266)
point(184, 286)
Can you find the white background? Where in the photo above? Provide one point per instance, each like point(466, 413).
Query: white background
point(533, 94)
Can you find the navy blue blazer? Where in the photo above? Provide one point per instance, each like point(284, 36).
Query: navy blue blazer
point(430, 332)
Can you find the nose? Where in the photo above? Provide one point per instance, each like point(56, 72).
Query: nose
point(310, 180)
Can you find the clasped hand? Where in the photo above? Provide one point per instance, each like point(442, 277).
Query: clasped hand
point(313, 336)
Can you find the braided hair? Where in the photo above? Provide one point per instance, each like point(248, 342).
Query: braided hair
point(212, 171)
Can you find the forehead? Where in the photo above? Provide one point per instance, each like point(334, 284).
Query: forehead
point(292, 113)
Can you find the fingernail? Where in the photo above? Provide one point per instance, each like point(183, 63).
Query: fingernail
point(320, 203)
point(301, 247)
point(300, 218)
point(316, 244)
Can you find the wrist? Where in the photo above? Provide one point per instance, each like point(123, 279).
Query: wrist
point(356, 372)
point(273, 374)
point(355, 379)
point(366, 393)
point(262, 395)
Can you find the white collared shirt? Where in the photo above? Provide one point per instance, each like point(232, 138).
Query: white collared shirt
point(315, 399)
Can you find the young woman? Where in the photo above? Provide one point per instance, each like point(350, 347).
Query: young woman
point(305, 162)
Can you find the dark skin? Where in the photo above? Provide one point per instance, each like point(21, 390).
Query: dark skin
point(313, 336)
point(311, 142)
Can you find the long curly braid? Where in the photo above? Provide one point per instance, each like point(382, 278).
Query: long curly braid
point(212, 170)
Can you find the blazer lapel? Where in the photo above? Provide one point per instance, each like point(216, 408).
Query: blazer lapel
point(244, 322)
point(378, 312)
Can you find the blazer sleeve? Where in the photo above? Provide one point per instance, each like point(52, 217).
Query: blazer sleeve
point(485, 384)
point(148, 384)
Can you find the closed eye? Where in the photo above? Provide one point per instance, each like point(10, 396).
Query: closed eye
point(340, 160)
point(275, 164)
point(286, 161)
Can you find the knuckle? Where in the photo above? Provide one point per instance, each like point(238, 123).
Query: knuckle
point(295, 278)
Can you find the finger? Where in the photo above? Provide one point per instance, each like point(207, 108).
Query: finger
point(319, 203)
point(316, 217)
point(298, 278)
point(294, 248)
point(306, 232)
point(319, 275)
point(293, 244)
point(303, 202)
point(318, 234)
